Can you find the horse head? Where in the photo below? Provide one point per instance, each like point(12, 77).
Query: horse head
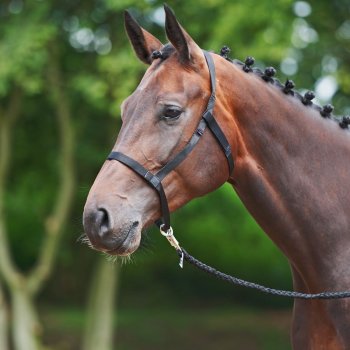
point(159, 118)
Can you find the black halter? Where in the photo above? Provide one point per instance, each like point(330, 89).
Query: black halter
point(155, 180)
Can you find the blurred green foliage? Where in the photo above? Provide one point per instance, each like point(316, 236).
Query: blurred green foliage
point(99, 71)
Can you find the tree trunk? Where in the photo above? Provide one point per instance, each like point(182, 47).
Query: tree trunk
point(26, 329)
point(23, 289)
point(55, 222)
point(100, 310)
point(24, 321)
point(3, 321)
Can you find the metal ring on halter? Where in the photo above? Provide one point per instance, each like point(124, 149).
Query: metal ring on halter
point(169, 235)
point(168, 232)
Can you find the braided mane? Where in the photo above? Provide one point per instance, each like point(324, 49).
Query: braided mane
point(287, 87)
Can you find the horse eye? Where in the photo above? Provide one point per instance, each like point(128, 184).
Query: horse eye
point(172, 112)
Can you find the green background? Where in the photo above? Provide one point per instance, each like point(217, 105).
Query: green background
point(158, 304)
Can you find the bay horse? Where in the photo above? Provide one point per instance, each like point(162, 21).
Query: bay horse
point(291, 169)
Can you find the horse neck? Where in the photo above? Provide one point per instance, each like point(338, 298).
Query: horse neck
point(290, 172)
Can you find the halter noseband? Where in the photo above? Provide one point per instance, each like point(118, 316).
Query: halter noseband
point(155, 180)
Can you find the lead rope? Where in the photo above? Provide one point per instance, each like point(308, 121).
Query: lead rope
point(169, 234)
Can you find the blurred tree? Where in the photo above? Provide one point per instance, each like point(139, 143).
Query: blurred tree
point(23, 75)
point(98, 333)
point(3, 321)
point(34, 70)
point(23, 289)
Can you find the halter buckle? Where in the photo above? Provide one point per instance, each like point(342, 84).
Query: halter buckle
point(169, 235)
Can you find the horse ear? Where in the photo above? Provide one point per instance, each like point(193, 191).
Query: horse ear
point(183, 43)
point(143, 42)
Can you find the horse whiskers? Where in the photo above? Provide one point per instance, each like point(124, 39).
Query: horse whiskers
point(85, 240)
point(110, 258)
point(127, 259)
point(115, 259)
point(146, 244)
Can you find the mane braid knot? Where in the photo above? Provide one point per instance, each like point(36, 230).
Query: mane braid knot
point(156, 54)
point(249, 61)
point(268, 74)
point(345, 122)
point(308, 97)
point(224, 52)
point(327, 110)
point(288, 87)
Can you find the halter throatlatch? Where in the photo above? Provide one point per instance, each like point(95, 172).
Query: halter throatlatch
point(155, 180)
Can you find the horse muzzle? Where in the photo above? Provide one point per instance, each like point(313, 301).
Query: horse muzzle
point(110, 235)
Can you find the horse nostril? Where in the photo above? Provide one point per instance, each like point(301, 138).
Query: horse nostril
point(103, 222)
point(98, 225)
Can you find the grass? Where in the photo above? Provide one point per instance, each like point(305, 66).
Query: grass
point(202, 327)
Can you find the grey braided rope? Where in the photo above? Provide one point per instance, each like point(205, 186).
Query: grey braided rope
point(237, 281)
